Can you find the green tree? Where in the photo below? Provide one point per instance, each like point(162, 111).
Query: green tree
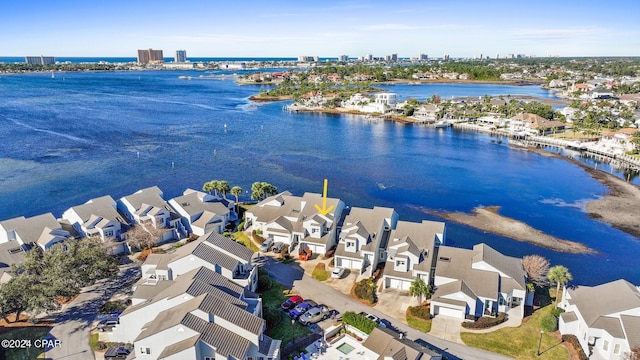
point(260, 190)
point(635, 139)
point(208, 187)
point(236, 191)
point(420, 289)
point(559, 275)
point(223, 187)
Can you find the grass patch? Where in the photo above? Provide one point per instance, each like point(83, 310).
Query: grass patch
point(320, 273)
point(93, 342)
point(243, 239)
point(280, 325)
point(520, 342)
point(30, 333)
point(418, 317)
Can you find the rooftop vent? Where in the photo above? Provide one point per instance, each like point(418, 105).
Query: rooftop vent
point(442, 258)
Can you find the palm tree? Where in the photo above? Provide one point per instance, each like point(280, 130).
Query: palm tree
point(559, 275)
point(419, 288)
point(223, 187)
point(208, 187)
point(236, 191)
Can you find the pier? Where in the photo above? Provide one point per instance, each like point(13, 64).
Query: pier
point(620, 161)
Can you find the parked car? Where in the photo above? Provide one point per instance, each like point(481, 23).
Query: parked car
point(278, 247)
point(314, 315)
point(107, 324)
point(338, 272)
point(302, 308)
point(266, 245)
point(291, 302)
point(116, 353)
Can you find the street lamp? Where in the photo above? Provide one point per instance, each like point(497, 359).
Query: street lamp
point(293, 329)
point(540, 342)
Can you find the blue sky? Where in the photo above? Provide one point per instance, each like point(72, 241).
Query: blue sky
point(461, 28)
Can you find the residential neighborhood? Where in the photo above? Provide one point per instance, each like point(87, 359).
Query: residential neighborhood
point(202, 299)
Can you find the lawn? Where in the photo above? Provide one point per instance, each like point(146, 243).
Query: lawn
point(29, 334)
point(520, 342)
point(280, 327)
point(419, 323)
point(320, 273)
point(243, 239)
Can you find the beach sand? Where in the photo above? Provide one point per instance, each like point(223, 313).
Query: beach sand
point(488, 219)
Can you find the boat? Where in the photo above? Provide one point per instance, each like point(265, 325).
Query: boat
point(53, 75)
point(441, 124)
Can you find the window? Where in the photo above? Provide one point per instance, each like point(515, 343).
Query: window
point(350, 244)
point(616, 349)
point(400, 263)
point(145, 350)
point(605, 345)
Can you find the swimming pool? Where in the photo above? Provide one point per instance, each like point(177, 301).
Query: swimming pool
point(345, 348)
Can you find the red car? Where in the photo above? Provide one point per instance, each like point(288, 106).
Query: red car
point(291, 302)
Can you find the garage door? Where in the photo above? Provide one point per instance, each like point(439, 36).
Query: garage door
point(350, 264)
point(440, 310)
point(317, 249)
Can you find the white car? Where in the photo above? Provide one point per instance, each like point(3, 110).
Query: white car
point(337, 272)
point(266, 245)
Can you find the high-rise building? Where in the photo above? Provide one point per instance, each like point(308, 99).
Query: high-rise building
point(343, 57)
point(305, 58)
point(150, 56)
point(181, 56)
point(446, 57)
point(40, 60)
point(423, 57)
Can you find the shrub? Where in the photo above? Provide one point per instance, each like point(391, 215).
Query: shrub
point(332, 263)
point(366, 290)
point(549, 323)
point(421, 311)
point(272, 316)
point(111, 306)
point(556, 312)
point(320, 273)
point(241, 226)
point(573, 340)
point(485, 322)
point(264, 282)
point(359, 322)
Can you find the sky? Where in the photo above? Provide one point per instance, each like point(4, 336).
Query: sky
point(273, 28)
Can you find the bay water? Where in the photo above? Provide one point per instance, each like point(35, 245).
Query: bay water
point(67, 139)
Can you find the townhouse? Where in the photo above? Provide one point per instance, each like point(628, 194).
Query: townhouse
point(480, 282)
point(364, 237)
point(296, 221)
point(202, 213)
point(605, 318)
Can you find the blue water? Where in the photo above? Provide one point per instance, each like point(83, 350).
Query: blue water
point(78, 136)
point(77, 60)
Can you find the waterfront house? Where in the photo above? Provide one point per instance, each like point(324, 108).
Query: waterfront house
point(604, 318)
point(41, 230)
point(98, 217)
point(411, 253)
point(364, 237)
point(537, 125)
point(480, 282)
point(295, 220)
point(200, 314)
point(602, 93)
point(427, 113)
point(148, 208)
point(213, 251)
point(202, 213)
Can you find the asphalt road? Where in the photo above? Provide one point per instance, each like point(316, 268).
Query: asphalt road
point(292, 276)
point(73, 322)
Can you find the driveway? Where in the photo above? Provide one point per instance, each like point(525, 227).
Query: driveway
point(73, 322)
point(447, 328)
point(322, 293)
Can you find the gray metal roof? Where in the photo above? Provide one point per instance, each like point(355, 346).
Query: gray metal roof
point(229, 246)
point(104, 207)
point(387, 344)
point(179, 346)
point(510, 266)
point(193, 204)
point(224, 341)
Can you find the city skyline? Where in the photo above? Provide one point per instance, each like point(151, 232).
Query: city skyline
point(460, 28)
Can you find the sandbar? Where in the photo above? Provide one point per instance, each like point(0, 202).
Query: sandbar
point(488, 219)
